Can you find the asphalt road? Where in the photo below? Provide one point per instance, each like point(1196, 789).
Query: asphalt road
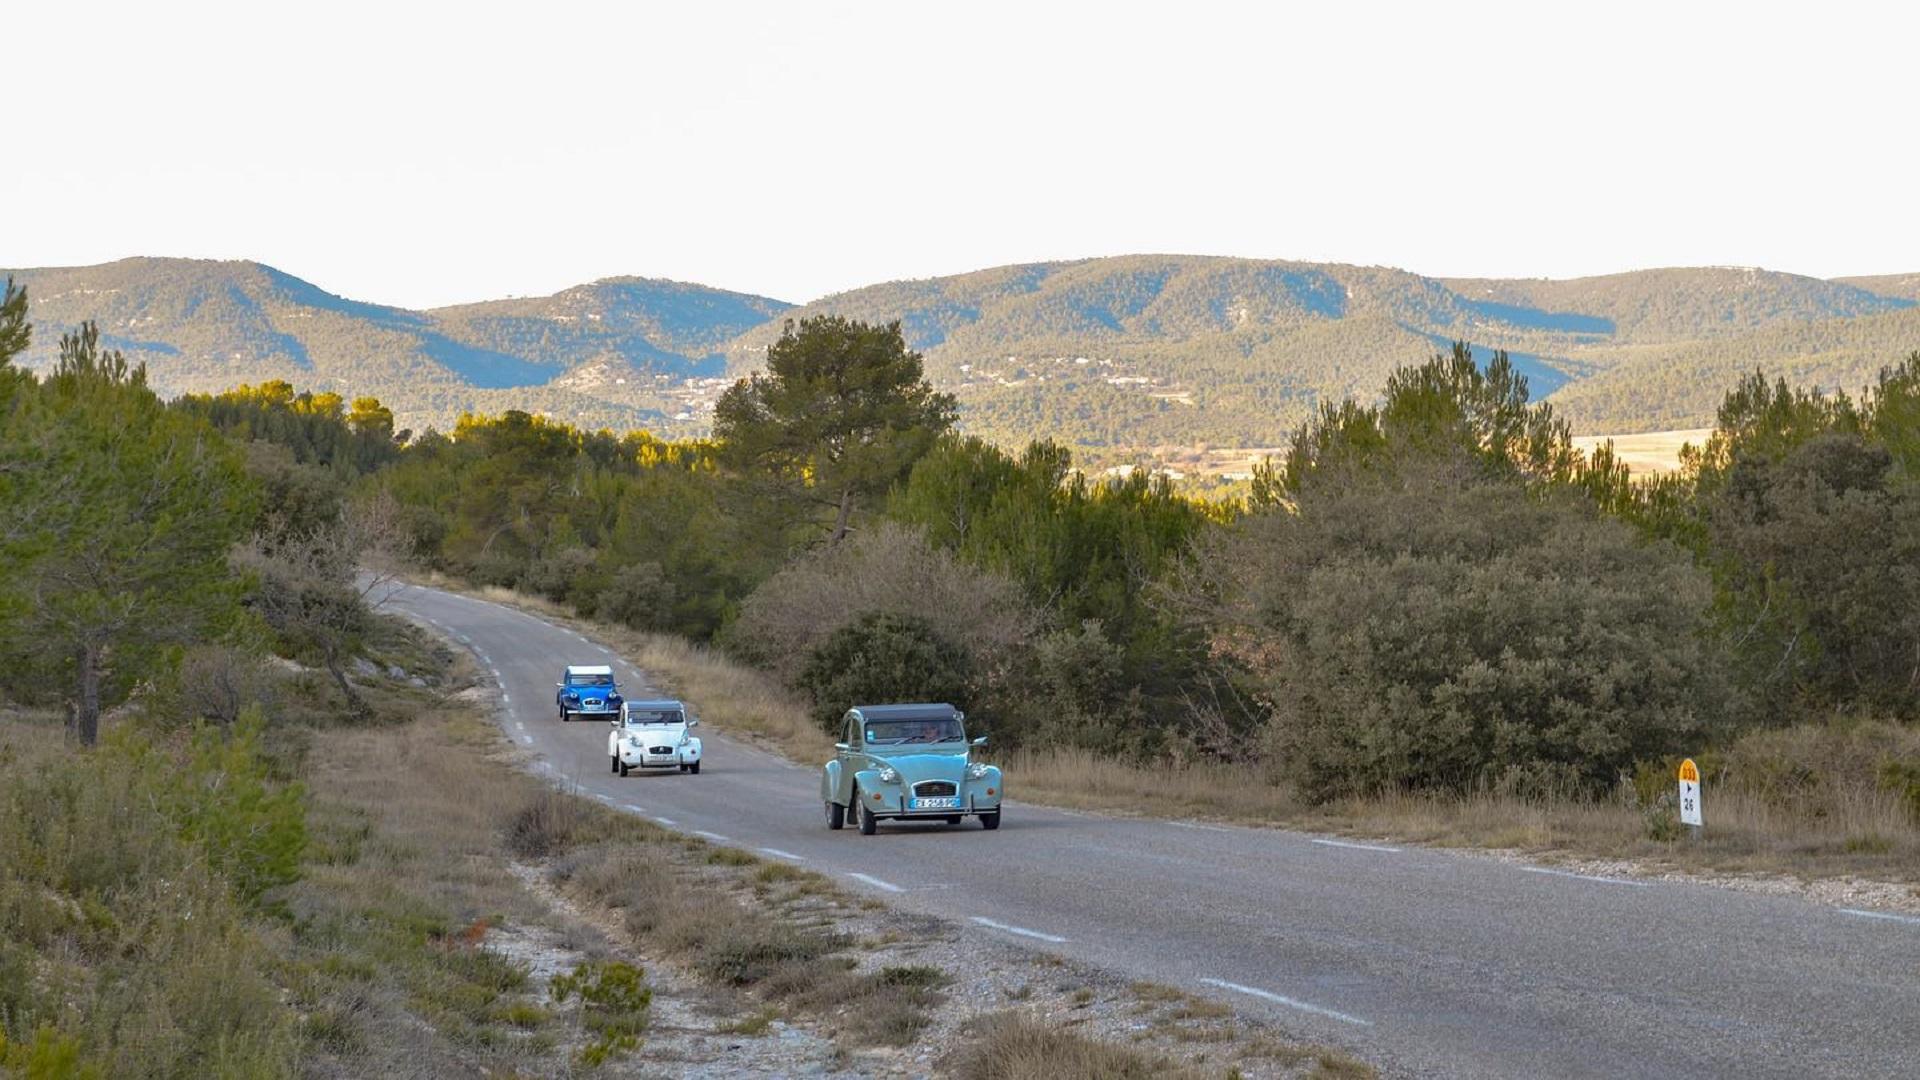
point(1428, 962)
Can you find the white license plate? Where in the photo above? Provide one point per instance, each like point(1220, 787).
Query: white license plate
point(950, 802)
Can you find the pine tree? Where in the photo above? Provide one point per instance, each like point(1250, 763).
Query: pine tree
point(841, 413)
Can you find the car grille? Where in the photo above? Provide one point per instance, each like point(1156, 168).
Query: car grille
point(592, 703)
point(659, 749)
point(935, 788)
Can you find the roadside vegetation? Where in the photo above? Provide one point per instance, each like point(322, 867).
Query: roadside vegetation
point(1431, 601)
point(1431, 617)
point(250, 826)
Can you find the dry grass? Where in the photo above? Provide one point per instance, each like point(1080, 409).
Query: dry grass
point(1648, 453)
point(766, 929)
point(1851, 826)
point(1014, 1046)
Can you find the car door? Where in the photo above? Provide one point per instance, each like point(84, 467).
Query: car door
point(849, 758)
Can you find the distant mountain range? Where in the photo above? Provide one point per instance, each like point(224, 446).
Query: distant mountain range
point(1117, 355)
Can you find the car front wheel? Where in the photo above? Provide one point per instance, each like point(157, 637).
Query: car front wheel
point(836, 815)
point(613, 762)
point(990, 820)
point(563, 716)
point(694, 768)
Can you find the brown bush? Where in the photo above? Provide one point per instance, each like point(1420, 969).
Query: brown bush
point(891, 571)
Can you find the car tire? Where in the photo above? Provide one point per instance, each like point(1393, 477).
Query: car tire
point(563, 716)
point(625, 768)
point(613, 763)
point(836, 815)
point(990, 820)
point(694, 768)
point(868, 823)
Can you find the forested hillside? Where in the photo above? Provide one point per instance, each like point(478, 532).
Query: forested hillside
point(1679, 385)
point(610, 354)
point(1126, 354)
point(1122, 358)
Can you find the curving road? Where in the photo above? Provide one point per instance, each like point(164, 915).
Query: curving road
point(1427, 962)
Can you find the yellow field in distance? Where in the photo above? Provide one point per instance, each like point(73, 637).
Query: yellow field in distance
point(1649, 453)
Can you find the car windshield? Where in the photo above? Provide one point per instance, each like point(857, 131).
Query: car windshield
point(929, 729)
point(574, 679)
point(653, 716)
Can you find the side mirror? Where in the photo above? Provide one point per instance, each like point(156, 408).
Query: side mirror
point(559, 686)
point(842, 747)
point(616, 721)
point(981, 741)
point(693, 721)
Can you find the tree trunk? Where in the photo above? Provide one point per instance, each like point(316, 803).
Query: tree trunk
point(358, 706)
point(83, 712)
point(840, 522)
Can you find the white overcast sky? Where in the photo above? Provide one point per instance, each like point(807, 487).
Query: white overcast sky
point(426, 154)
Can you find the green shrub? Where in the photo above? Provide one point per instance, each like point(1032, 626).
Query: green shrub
point(51, 1055)
point(640, 595)
point(614, 1001)
point(568, 575)
point(882, 658)
point(121, 952)
point(220, 795)
point(1439, 631)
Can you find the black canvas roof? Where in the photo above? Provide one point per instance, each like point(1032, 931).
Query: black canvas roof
point(893, 712)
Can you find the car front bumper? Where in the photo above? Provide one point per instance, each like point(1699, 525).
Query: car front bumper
point(894, 805)
point(643, 758)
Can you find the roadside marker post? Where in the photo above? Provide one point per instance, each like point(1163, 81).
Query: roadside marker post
point(1690, 797)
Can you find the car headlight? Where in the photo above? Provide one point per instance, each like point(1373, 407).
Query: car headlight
point(571, 696)
point(976, 771)
point(683, 739)
point(889, 775)
point(633, 741)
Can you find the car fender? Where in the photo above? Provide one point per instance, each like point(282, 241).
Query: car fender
point(613, 742)
point(830, 783)
point(871, 785)
point(977, 789)
point(691, 752)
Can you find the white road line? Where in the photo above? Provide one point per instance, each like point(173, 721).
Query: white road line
point(1889, 916)
point(713, 836)
point(1585, 877)
point(666, 821)
point(608, 799)
point(1354, 846)
point(778, 854)
point(1020, 930)
point(1191, 825)
point(636, 808)
point(1291, 1003)
point(876, 882)
point(526, 738)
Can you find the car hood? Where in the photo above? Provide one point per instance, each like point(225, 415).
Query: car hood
point(602, 690)
point(914, 767)
point(655, 734)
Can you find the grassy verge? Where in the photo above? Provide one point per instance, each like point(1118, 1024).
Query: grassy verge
point(1816, 803)
point(1832, 828)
